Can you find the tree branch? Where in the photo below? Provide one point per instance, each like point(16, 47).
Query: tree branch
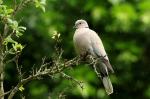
point(46, 71)
point(5, 94)
point(20, 6)
point(80, 83)
point(1, 39)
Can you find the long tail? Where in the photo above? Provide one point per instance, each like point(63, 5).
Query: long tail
point(107, 85)
point(102, 72)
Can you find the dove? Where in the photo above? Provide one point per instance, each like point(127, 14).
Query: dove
point(87, 42)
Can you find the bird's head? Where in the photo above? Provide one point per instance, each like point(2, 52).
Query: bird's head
point(81, 24)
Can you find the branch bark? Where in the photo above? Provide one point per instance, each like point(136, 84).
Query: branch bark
point(1, 73)
point(20, 6)
point(50, 72)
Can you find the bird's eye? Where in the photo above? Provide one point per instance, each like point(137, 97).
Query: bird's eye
point(79, 23)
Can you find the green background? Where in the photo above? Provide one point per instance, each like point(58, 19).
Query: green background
point(124, 27)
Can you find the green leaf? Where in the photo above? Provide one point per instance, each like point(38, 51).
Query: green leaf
point(9, 11)
point(20, 30)
point(43, 2)
point(2, 10)
point(21, 88)
point(13, 24)
point(5, 12)
point(17, 47)
point(43, 8)
point(8, 40)
point(18, 34)
point(40, 4)
point(16, 28)
point(11, 51)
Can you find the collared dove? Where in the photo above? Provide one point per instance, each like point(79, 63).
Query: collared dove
point(87, 41)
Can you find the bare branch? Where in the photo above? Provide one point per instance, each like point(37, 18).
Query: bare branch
point(11, 60)
point(1, 40)
point(62, 95)
point(46, 71)
point(18, 68)
point(6, 29)
point(20, 6)
point(15, 3)
point(80, 83)
point(5, 94)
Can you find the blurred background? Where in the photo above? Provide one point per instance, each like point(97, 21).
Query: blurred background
point(124, 27)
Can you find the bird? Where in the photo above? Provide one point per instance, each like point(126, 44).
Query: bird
point(87, 42)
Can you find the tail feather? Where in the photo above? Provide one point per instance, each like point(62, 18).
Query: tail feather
point(107, 85)
point(102, 71)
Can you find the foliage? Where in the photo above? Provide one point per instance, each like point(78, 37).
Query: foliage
point(123, 25)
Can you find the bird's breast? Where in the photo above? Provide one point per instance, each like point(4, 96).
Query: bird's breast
point(81, 41)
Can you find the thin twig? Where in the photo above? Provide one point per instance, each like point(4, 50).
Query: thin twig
point(6, 29)
point(20, 6)
point(18, 69)
point(36, 75)
point(15, 4)
point(5, 93)
point(11, 60)
point(1, 40)
point(62, 95)
point(80, 83)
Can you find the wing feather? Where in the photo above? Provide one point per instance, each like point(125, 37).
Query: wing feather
point(99, 50)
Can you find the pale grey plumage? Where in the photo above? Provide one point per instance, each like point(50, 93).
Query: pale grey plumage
point(88, 41)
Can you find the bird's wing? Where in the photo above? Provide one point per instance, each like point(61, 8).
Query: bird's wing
point(99, 50)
